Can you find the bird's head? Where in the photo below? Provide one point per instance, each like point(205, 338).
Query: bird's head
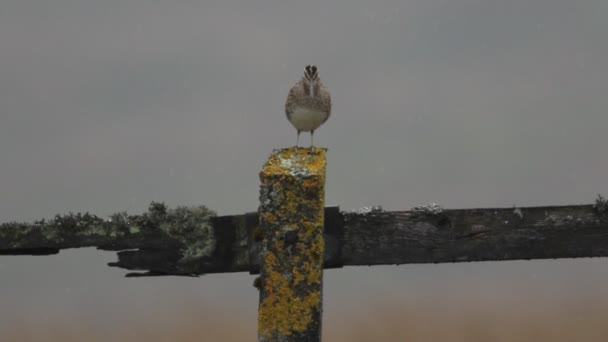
point(311, 79)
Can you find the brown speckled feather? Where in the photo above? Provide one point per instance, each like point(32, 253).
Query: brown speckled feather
point(299, 97)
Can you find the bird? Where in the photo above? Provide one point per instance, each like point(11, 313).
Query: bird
point(308, 104)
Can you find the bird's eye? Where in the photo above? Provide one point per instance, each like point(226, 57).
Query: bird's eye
point(308, 68)
point(314, 69)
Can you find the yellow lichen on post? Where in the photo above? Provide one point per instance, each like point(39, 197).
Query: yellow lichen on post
point(291, 220)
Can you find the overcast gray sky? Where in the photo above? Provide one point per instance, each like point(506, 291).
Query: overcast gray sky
point(108, 105)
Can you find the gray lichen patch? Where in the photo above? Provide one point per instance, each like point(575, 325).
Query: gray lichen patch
point(189, 228)
point(601, 204)
point(368, 210)
point(428, 209)
point(62, 231)
point(518, 212)
point(185, 229)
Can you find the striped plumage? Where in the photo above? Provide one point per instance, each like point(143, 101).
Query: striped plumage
point(308, 104)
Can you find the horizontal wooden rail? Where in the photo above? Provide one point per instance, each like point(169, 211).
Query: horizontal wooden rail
point(192, 241)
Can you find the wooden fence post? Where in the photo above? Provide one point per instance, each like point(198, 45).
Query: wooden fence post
point(291, 225)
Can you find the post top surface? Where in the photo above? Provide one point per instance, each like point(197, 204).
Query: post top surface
point(301, 162)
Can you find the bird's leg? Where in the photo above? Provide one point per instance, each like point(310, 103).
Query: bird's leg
point(312, 145)
point(298, 139)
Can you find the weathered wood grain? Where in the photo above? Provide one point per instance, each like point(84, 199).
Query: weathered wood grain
point(372, 237)
point(381, 237)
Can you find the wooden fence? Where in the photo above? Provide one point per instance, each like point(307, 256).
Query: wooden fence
point(293, 237)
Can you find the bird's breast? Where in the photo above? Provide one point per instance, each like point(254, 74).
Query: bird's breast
point(306, 119)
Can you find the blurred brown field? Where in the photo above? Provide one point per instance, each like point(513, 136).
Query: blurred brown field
point(524, 320)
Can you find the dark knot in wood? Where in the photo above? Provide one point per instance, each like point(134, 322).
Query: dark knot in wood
point(291, 237)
